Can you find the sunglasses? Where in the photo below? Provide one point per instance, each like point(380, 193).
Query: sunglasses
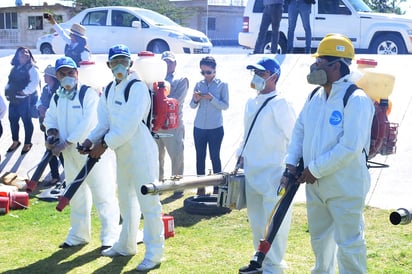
point(206, 72)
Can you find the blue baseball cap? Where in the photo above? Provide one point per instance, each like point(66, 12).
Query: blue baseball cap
point(65, 62)
point(270, 64)
point(119, 50)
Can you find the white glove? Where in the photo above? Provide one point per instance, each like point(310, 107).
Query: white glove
point(57, 149)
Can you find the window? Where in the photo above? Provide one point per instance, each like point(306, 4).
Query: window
point(122, 19)
point(35, 23)
point(211, 23)
point(8, 20)
point(95, 18)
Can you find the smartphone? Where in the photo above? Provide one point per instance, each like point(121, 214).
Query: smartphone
point(46, 15)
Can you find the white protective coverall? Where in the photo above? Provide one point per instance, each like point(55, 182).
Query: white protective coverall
point(74, 122)
point(332, 139)
point(121, 124)
point(263, 158)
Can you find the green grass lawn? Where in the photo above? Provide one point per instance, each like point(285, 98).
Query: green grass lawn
point(29, 242)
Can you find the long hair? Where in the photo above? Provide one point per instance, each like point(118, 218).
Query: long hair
point(15, 60)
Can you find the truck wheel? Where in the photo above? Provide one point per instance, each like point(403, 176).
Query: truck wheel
point(46, 48)
point(204, 205)
point(281, 44)
point(388, 44)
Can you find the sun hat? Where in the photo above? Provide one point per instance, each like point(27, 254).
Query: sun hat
point(50, 70)
point(78, 30)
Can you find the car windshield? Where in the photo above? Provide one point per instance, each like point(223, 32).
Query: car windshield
point(155, 18)
point(359, 5)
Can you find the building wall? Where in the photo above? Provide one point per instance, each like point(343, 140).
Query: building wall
point(224, 21)
point(21, 26)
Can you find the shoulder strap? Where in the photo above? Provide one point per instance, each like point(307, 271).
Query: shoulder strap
point(126, 91)
point(254, 120)
point(351, 89)
point(313, 92)
point(56, 98)
point(82, 92)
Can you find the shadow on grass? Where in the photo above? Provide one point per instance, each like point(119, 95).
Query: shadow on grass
point(184, 219)
point(58, 263)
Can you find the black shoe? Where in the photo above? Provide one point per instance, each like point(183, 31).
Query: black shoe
point(252, 268)
point(104, 247)
point(65, 245)
point(177, 194)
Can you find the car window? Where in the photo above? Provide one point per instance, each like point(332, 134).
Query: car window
point(122, 19)
point(95, 18)
point(332, 7)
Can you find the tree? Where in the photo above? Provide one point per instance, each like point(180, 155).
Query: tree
point(161, 6)
point(386, 6)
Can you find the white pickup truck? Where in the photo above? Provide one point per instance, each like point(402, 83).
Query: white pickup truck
point(376, 33)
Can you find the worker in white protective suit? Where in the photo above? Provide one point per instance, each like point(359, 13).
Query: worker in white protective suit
point(261, 153)
point(333, 140)
point(70, 118)
point(121, 128)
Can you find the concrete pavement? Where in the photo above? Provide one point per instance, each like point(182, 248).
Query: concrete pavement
point(390, 188)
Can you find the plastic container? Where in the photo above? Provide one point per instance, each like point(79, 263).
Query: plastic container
point(4, 205)
point(375, 83)
point(150, 68)
point(19, 200)
point(96, 75)
point(169, 226)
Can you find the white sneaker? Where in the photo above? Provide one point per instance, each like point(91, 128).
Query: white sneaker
point(110, 252)
point(147, 265)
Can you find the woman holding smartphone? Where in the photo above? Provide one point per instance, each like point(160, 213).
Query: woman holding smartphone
point(210, 97)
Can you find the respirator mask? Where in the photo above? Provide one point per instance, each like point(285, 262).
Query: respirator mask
point(120, 71)
point(68, 84)
point(258, 83)
point(317, 76)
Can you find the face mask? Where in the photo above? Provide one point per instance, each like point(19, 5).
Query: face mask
point(317, 76)
point(258, 83)
point(68, 83)
point(119, 71)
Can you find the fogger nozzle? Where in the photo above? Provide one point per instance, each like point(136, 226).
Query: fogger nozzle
point(401, 216)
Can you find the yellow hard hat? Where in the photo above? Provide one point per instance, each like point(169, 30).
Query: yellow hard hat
point(334, 44)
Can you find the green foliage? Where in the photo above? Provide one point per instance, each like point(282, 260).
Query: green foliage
point(385, 6)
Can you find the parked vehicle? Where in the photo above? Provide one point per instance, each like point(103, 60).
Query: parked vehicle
point(376, 33)
point(140, 29)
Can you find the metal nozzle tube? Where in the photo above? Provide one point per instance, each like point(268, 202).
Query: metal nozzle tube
point(184, 183)
point(401, 216)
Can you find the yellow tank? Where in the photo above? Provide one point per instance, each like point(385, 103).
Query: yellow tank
point(376, 84)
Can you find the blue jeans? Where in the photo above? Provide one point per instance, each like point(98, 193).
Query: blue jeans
point(272, 14)
point(295, 8)
point(213, 138)
point(17, 111)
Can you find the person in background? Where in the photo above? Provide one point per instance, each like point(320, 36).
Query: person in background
point(76, 41)
point(21, 92)
point(120, 127)
point(175, 143)
point(334, 140)
point(302, 8)
point(262, 157)
point(210, 97)
point(272, 14)
point(3, 110)
point(69, 120)
point(49, 90)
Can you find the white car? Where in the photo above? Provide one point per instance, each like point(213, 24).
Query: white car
point(376, 33)
point(139, 29)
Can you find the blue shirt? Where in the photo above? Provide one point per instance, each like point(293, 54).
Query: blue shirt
point(209, 113)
